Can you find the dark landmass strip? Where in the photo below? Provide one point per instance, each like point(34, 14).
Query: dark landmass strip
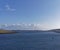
point(19, 31)
point(27, 31)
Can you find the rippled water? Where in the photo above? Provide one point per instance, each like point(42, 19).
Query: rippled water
point(30, 41)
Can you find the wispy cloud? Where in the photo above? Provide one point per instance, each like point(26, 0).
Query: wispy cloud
point(8, 8)
point(20, 26)
point(28, 26)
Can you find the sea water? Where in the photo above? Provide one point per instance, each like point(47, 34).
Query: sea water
point(30, 41)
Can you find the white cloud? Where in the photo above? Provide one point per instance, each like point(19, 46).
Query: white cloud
point(8, 7)
point(28, 26)
point(20, 26)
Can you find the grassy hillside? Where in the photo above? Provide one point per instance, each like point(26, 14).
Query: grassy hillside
point(6, 31)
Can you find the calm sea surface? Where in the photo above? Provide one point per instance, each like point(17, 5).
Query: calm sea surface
point(30, 41)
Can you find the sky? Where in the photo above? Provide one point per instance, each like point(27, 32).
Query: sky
point(46, 13)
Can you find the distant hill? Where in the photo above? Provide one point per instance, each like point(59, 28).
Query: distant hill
point(55, 30)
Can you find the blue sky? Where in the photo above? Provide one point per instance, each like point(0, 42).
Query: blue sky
point(44, 12)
